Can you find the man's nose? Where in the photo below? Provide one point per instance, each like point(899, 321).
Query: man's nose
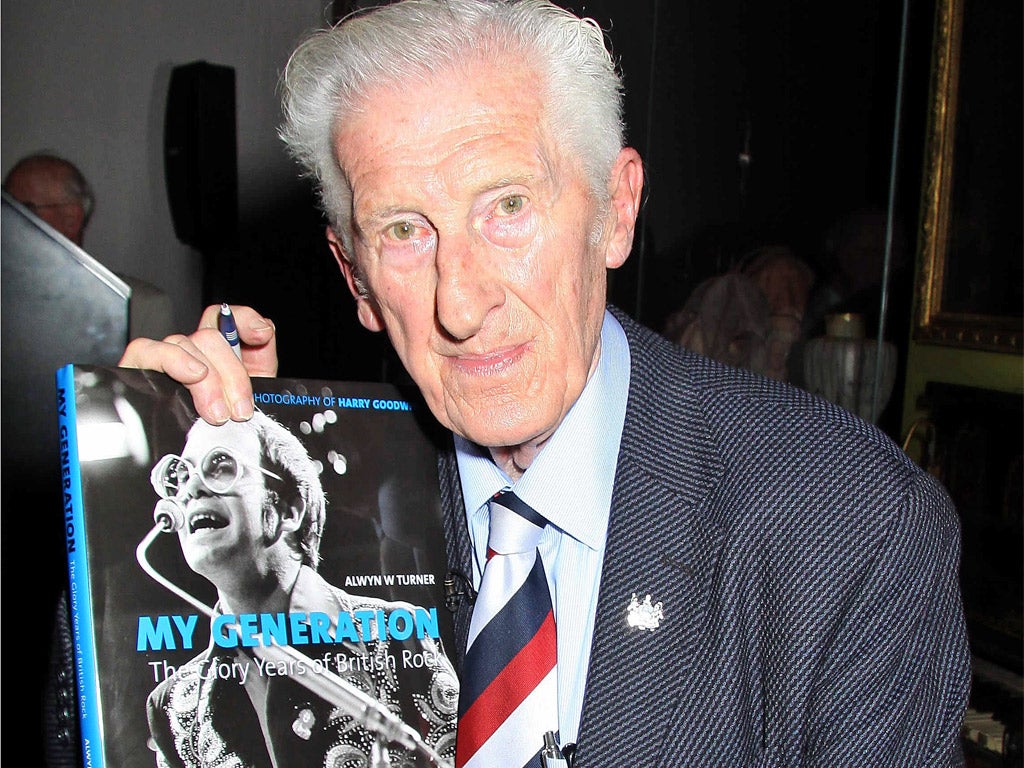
point(193, 487)
point(468, 288)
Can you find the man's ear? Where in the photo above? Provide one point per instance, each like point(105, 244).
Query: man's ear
point(290, 512)
point(367, 313)
point(625, 186)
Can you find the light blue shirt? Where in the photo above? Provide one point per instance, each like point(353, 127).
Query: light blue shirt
point(570, 484)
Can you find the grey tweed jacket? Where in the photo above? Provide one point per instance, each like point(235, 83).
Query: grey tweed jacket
point(807, 571)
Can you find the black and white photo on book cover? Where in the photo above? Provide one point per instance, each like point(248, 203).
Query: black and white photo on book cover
point(261, 593)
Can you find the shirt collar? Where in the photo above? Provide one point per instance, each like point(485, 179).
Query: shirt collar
point(570, 481)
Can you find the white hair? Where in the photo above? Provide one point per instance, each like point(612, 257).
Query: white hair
point(331, 71)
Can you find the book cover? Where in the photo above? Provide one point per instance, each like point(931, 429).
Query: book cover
point(261, 593)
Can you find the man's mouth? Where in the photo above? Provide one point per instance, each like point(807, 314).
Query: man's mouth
point(206, 521)
point(492, 363)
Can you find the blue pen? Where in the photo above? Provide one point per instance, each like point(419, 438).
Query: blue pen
point(226, 323)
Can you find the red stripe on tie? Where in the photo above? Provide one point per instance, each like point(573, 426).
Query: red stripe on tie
point(507, 691)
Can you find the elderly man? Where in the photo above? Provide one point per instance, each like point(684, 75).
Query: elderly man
point(250, 514)
point(54, 190)
point(740, 574)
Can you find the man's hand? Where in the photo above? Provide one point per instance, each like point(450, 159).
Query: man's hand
point(206, 364)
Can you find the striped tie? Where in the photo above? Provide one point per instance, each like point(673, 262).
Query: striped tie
point(508, 697)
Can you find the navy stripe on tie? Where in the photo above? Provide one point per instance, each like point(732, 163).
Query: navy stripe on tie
point(509, 500)
point(483, 666)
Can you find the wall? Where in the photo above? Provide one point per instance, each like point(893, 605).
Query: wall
point(88, 80)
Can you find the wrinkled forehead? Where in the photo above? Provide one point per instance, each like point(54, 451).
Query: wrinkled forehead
point(487, 77)
point(442, 115)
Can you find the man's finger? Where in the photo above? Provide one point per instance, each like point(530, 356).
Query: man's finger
point(257, 334)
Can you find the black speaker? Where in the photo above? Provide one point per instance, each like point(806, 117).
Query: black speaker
point(201, 155)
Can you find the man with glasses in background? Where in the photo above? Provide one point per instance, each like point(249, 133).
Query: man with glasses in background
point(54, 190)
point(249, 511)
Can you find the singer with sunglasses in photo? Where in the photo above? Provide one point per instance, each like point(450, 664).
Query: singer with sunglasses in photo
point(249, 511)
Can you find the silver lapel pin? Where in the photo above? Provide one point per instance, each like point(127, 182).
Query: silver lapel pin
point(644, 614)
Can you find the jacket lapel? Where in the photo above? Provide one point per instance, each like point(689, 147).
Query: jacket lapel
point(661, 542)
point(661, 548)
point(459, 592)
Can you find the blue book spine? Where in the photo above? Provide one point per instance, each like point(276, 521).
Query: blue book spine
point(80, 587)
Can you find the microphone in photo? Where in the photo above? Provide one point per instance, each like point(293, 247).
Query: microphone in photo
point(169, 516)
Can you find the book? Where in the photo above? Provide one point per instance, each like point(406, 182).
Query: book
point(189, 648)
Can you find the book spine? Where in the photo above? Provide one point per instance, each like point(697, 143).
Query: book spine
point(79, 586)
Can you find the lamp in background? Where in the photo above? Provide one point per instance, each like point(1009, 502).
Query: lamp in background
point(840, 366)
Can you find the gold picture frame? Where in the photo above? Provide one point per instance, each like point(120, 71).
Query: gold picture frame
point(968, 282)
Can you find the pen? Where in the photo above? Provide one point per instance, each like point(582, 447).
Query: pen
point(551, 756)
point(226, 323)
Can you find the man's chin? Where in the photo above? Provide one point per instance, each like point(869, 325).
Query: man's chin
point(204, 560)
point(505, 428)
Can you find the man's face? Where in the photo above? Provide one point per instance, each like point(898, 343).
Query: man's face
point(225, 533)
point(40, 187)
point(475, 236)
